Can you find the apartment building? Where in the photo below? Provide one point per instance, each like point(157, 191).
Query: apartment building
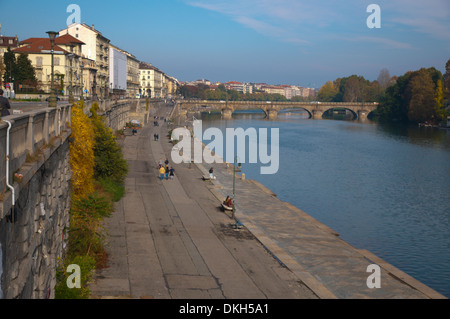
point(151, 80)
point(96, 48)
point(8, 42)
point(68, 65)
point(238, 86)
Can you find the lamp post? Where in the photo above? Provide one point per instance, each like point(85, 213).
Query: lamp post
point(233, 213)
point(71, 99)
point(52, 99)
point(82, 84)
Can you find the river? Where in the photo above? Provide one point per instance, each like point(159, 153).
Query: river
point(384, 188)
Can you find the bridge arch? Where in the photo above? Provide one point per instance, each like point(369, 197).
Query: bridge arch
point(296, 109)
point(340, 109)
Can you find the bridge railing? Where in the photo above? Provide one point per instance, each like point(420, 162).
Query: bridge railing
point(29, 134)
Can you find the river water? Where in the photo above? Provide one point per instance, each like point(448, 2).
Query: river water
point(384, 188)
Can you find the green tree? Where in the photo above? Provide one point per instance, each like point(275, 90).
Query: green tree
point(421, 92)
point(394, 103)
point(9, 59)
point(109, 161)
point(25, 73)
point(2, 70)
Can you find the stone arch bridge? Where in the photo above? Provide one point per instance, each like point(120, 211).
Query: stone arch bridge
point(360, 110)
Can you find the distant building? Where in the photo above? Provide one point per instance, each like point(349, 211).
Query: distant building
point(273, 89)
point(238, 86)
point(8, 42)
point(151, 80)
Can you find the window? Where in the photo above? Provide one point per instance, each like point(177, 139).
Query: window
point(56, 61)
point(39, 61)
point(10, 41)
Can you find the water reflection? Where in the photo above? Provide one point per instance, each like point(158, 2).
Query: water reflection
point(423, 136)
point(382, 187)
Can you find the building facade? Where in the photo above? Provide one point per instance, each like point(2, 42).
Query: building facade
point(66, 58)
point(96, 48)
point(151, 80)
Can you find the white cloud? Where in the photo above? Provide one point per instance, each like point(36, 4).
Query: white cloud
point(429, 17)
point(301, 21)
point(383, 41)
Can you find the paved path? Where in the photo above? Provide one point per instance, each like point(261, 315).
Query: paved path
point(168, 239)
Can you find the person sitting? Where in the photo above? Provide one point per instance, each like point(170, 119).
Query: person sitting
point(228, 202)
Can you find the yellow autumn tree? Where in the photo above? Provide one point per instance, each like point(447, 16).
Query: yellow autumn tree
point(82, 152)
point(439, 104)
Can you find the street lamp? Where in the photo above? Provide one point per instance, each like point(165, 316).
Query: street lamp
point(236, 159)
point(82, 84)
point(52, 99)
point(71, 99)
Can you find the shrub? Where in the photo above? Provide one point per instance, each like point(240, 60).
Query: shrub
point(81, 154)
point(109, 161)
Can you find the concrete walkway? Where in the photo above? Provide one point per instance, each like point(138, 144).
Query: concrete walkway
point(168, 239)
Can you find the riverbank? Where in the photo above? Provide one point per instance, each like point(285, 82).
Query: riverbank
point(169, 239)
point(328, 265)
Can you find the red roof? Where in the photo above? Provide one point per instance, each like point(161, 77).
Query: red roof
point(37, 45)
point(234, 82)
point(4, 41)
point(67, 39)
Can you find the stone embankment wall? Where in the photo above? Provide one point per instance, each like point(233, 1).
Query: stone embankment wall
point(34, 219)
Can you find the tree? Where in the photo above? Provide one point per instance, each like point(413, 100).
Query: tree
point(25, 73)
point(9, 59)
point(2, 71)
point(422, 97)
point(327, 92)
point(394, 103)
point(439, 102)
point(447, 80)
point(352, 90)
point(109, 161)
point(81, 155)
point(384, 78)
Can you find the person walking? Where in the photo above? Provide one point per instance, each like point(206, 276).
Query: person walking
point(4, 104)
point(211, 173)
point(171, 173)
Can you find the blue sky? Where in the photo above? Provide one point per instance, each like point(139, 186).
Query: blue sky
point(295, 42)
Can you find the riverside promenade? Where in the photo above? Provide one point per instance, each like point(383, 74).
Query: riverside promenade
point(169, 239)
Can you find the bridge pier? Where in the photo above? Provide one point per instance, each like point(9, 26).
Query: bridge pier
point(317, 114)
point(227, 114)
point(272, 114)
point(362, 116)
